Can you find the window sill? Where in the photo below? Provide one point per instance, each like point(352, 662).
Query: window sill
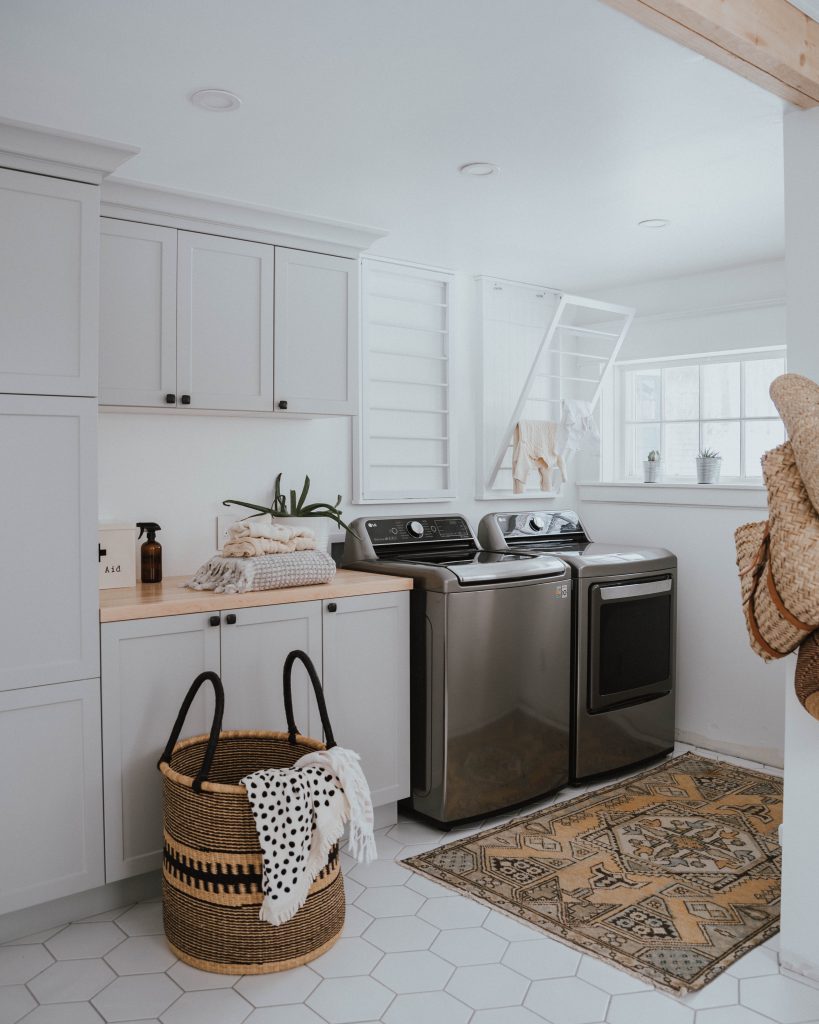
point(738, 495)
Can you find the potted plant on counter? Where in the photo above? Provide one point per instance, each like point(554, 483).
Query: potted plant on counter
point(651, 467)
point(297, 512)
point(709, 463)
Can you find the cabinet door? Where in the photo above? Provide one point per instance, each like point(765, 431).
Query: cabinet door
point(254, 648)
point(366, 686)
point(49, 269)
point(147, 667)
point(137, 313)
point(316, 333)
point(49, 627)
point(224, 323)
point(51, 797)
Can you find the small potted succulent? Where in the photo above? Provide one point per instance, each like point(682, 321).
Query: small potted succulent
point(651, 467)
point(298, 513)
point(709, 463)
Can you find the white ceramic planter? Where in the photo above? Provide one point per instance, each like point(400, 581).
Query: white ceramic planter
point(708, 470)
point(651, 471)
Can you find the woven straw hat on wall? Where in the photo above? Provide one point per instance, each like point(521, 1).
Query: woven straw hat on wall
point(797, 399)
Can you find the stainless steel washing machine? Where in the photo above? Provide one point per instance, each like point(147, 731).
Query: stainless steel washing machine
point(490, 664)
point(624, 645)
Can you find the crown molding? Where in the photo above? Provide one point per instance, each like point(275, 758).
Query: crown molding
point(191, 211)
point(34, 148)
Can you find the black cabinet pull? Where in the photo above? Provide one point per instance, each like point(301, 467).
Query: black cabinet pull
point(170, 399)
point(332, 607)
point(214, 620)
point(185, 399)
point(230, 620)
point(283, 405)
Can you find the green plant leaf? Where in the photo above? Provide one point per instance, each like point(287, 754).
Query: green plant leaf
point(277, 491)
point(247, 504)
point(303, 495)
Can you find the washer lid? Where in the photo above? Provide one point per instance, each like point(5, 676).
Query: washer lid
point(488, 566)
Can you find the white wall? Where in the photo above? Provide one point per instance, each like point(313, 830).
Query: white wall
point(176, 467)
point(728, 699)
point(800, 892)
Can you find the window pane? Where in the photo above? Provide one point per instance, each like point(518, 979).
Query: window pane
point(758, 376)
point(724, 437)
point(760, 436)
point(720, 391)
point(680, 449)
point(681, 393)
point(646, 438)
point(645, 394)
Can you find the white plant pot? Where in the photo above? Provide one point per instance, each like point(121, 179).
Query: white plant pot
point(650, 472)
point(708, 470)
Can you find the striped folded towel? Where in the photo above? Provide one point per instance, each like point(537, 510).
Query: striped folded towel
point(265, 572)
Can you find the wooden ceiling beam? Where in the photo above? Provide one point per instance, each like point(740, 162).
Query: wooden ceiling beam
point(770, 42)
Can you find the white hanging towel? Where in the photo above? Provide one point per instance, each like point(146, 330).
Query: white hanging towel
point(578, 431)
point(300, 813)
point(535, 446)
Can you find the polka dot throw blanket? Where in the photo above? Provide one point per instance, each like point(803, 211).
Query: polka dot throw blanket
point(300, 815)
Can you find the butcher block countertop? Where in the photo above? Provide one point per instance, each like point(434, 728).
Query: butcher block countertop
point(151, 600)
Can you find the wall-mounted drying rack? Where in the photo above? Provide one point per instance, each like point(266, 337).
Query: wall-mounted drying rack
point(539, 347)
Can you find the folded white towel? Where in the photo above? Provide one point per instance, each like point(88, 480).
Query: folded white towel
point(266, 527)
point(251, 547)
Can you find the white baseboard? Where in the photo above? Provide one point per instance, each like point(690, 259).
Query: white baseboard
point(762, 755)
point(83, 904)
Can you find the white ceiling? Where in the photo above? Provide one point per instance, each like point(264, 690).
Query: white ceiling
point(362, 110)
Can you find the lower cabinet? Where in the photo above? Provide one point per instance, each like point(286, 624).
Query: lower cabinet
point(359, 646)
point(51, 794)
point(366, 686)
point(147, 667)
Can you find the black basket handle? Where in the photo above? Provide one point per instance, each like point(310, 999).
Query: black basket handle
point(292, 728)
point(215, 728)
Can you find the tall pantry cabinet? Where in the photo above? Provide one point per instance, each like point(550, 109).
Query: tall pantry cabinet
point(50, 758)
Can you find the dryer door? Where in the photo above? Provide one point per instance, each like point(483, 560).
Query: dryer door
point(630, 642)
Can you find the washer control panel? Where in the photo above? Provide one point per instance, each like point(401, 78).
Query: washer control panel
point(411, 531)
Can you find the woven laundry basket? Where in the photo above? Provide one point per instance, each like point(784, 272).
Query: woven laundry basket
point(212, 863)
point(807, 675)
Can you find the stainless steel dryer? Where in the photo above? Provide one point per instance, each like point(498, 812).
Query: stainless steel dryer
point(624, 637)
point(490, 664)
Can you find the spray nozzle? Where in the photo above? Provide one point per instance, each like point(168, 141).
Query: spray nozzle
point(150, 528)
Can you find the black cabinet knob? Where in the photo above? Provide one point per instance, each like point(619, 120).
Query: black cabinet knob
point(230, 619)
point(170, 399)
point(332, 607)
point(214, 620)
point(283, 405)
point(185, 399)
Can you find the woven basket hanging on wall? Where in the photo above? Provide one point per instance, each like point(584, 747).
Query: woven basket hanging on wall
point(212, 863)
point(779, 561)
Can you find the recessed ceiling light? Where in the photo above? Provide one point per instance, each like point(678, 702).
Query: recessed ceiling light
point(479, 170)
point(653, 222)
point(218, 101)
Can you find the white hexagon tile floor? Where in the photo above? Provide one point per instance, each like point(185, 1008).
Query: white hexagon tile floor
point(412, 953)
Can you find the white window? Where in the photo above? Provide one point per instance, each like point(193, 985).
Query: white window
point(681, 406)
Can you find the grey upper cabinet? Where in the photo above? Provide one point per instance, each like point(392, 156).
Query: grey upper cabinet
point(49, 628)
point(137, 314)
point(224, 350)
point(49, 269)
point(366, 686)
point(316, 354)
point(147, 667)
point(51, 797)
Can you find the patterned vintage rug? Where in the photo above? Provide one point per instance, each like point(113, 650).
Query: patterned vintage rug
point(671, 875)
